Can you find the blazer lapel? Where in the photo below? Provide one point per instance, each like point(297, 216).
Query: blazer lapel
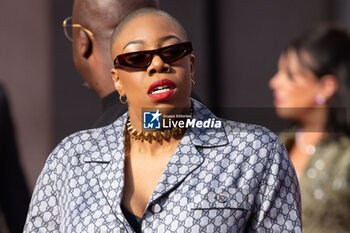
point(111, 177)
point(183, 162)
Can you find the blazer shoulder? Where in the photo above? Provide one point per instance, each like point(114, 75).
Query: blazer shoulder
point(85, 141)
point(250, 135)
point(248, 130)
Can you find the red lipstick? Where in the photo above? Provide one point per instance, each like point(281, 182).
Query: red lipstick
point(161, 89)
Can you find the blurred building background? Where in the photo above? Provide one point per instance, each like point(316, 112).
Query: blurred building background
point(237, 44)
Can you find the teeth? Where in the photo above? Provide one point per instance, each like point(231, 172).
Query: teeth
point(161, 89)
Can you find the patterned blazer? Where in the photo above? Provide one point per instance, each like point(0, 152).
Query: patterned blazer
point(237, 178)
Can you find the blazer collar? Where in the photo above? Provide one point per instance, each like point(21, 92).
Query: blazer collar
point(111, 155)
point(103, 142)
point(206, 137)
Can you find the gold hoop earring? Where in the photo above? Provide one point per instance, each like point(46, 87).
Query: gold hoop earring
point(123, 101)
point(193, 82)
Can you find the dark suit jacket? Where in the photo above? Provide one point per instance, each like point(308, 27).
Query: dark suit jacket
point(14, 196)
point(112, 108)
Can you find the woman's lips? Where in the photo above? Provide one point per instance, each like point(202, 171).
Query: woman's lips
point(278, 101)
point(161, 89)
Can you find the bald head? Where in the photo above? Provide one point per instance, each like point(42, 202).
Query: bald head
point(141, 12)
point(102, 16)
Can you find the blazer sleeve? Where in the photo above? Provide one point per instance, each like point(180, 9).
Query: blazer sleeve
point(44, 209)
point(278, 203)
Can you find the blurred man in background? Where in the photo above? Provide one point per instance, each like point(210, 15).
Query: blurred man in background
point(90, 29)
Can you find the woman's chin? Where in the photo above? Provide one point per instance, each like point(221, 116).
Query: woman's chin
point(289, 113)
point(283, 113)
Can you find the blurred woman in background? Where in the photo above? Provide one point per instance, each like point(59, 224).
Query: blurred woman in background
point(311, 88)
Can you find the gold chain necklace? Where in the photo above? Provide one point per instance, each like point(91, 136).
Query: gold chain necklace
point(151, 136)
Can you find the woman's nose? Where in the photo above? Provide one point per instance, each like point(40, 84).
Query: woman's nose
point(273, 83)
point(158, 66)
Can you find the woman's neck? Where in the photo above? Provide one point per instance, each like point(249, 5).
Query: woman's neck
point(313, 126)
point(314, 120)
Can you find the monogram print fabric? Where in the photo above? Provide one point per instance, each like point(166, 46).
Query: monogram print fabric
point(237, 178)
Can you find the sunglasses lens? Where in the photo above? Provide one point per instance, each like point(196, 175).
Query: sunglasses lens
point(173, 53)
point(142, 59)
point(139, 59)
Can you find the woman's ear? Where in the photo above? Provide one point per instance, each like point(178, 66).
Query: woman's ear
point(117, 84)
point(328, 86)
point(192, 60)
